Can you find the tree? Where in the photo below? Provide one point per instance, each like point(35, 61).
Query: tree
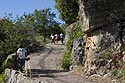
point(23, 30)
point(68, 10)
point(45, 23)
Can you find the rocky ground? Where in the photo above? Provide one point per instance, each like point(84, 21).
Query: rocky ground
point(45, 66)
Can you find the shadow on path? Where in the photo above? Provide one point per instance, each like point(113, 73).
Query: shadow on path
point(45, 73)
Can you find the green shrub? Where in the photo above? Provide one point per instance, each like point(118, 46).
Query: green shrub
point(113, 73)
point(123, 74)
point(65, 63)
point(2, 77)
point(107, 54)
point(66, 60)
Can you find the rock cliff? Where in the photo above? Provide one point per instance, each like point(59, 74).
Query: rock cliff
point(103, 23)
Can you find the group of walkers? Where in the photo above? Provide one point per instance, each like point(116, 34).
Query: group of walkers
point(22, 52)
point(55, 38)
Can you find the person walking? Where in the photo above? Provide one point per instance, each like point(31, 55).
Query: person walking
point(52, 39)
point(62, 37)
point(22, 54)
point(56, 38)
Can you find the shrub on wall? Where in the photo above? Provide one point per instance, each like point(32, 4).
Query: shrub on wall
point(66, 60)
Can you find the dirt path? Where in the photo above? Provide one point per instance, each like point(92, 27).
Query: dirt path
point(45, 66)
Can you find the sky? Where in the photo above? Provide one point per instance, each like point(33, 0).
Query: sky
point(18, 7)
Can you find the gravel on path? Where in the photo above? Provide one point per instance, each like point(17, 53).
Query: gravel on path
point(45, 66)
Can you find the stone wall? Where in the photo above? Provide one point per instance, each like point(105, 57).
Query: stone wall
point(77, 56)
point(103, 23)
point(13, 76)
point(68, 31)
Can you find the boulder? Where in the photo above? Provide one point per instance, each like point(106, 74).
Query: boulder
point(12, 61)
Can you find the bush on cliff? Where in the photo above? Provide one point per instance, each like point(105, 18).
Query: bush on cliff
point(66, 60)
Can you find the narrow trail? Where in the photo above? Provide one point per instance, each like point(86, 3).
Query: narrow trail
point(45, 66)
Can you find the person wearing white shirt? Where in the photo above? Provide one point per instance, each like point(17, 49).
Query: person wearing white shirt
point(22, 54)
point(52, 39)
point(61, 37)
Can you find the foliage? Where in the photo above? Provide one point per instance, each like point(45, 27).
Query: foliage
point(64, 26)
point(2, 77)
point(107, 54)
point(114, 57)
point(121, 71)
point(44, 21)
point(66, 61)
point(78, 1)
point(123, 74)
point(118, 65)
point(25, 30)
point(68, 10)
point(7, 42)
point(118, 73)
point(75, 33)
point(113, 73)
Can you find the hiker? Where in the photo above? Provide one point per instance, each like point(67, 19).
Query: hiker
point(52, 39)
point(62, 37)
point(22, 54)
point(56, 38)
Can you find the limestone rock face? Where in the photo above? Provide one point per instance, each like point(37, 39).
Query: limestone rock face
point(77, 55)
point(95, 13)
point(68, 31)
point(103, 23)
